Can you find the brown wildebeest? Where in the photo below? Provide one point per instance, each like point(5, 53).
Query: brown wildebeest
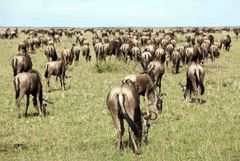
point(99, 50)
point(21, 63)
point(67, 56)
point(50, 53)
point(22, 46)
point(214, 53)
point(86, 52)
point(136, 52)
point(27, 83)
point(176, 59)
point(56, 68)
point(156, 70)
point(195, 78)
point(160, 55)
point(226, 41)
point(123, 103)
point(145, 59)
point(75, 50)
point(145, 87)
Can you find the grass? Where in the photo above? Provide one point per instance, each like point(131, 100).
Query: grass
point(78, 126)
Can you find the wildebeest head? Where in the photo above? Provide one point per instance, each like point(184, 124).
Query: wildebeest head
point(146, 125)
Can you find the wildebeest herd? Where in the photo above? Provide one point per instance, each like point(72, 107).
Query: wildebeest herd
point(157, 51)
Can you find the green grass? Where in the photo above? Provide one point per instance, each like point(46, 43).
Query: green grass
point(78, 126)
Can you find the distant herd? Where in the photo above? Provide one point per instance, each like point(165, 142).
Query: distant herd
point(157, 50)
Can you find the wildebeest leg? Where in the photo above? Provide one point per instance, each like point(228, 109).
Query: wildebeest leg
point(146, 100)
point(18, 100)
point(27, 104)
point(39, 108)
point(133, 139)
point(117, 123)
point(62, 82)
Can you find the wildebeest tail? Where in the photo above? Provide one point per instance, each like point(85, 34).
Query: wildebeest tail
point(54, 54)
point(46, 71)
point(199, 81)
point(132, 124)
point(14, 66)
point(16, 83)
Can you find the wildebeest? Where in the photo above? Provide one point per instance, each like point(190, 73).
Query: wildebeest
point(156, 70)
point(86, 52)
point(50, 53)
point(67, 56)
point(145, 87)
point(226, 41)
point(145, 59)
point(75, 50)
point(194, 84)
point(21, 63)
point(123, 103)
point(56, 68)
point(176, 59)
point(27, 83)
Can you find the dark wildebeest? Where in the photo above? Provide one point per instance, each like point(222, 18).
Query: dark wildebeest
point(21, 63)
point(226, 41)
point(195, 78)
point(27, 83)
point(50, 53)
point(56, 68)
point(123, 103)
point(156, 70)
point(145, 87)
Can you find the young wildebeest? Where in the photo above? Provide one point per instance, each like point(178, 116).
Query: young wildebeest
point(145, 87)
point(123, 103)
point(50, 52)
point(56, 68)
point(21, 63)
point(195, 77)
point(27, 83)
point(156, 70)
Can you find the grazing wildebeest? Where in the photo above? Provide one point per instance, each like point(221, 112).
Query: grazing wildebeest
point(226, 41)
point(27, 83)
point(50, 53)
point(145, 87)
point(56, 68)
point(123, 103)
point(195, 78)
point(156, 70)
point(21, 63)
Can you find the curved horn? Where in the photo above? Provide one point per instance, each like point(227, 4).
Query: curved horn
point(156, 116)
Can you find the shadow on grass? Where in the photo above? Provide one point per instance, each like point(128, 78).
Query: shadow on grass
point(201, 102)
